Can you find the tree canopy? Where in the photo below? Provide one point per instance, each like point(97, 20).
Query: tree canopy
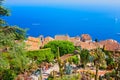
point(65, 47)
point(3, 12)
point(9, 34)
point(12, 49)
point(41, 55)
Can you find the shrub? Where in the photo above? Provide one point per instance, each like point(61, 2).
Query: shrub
point(41, 55)
point(75, 59)
point(103, 67)
point(8, 75)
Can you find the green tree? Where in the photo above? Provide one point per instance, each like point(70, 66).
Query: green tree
point(65, 47)
point(19, 58)
point(3, 12)
point(8, 75)
point(9, 34)
point(41, 55)
point(13, 60)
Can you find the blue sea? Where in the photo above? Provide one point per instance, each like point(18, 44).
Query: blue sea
point(51, 20)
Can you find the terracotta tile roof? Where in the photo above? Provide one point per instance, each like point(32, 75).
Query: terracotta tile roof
point(88, 45)
point(111, 45)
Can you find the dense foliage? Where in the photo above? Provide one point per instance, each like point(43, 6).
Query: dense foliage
point(41, 55)
point(3, 12)
point(75, 59)
point(13, 61)
point(9, 34)
point(8, 74)
point(12, 48)
point(65, 47)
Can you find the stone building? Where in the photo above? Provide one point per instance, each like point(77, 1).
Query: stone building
point(33, 43)
point(62, 37)
point(48, 39)
point(86, 38)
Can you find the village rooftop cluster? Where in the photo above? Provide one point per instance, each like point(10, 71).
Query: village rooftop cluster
point(84, 41)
